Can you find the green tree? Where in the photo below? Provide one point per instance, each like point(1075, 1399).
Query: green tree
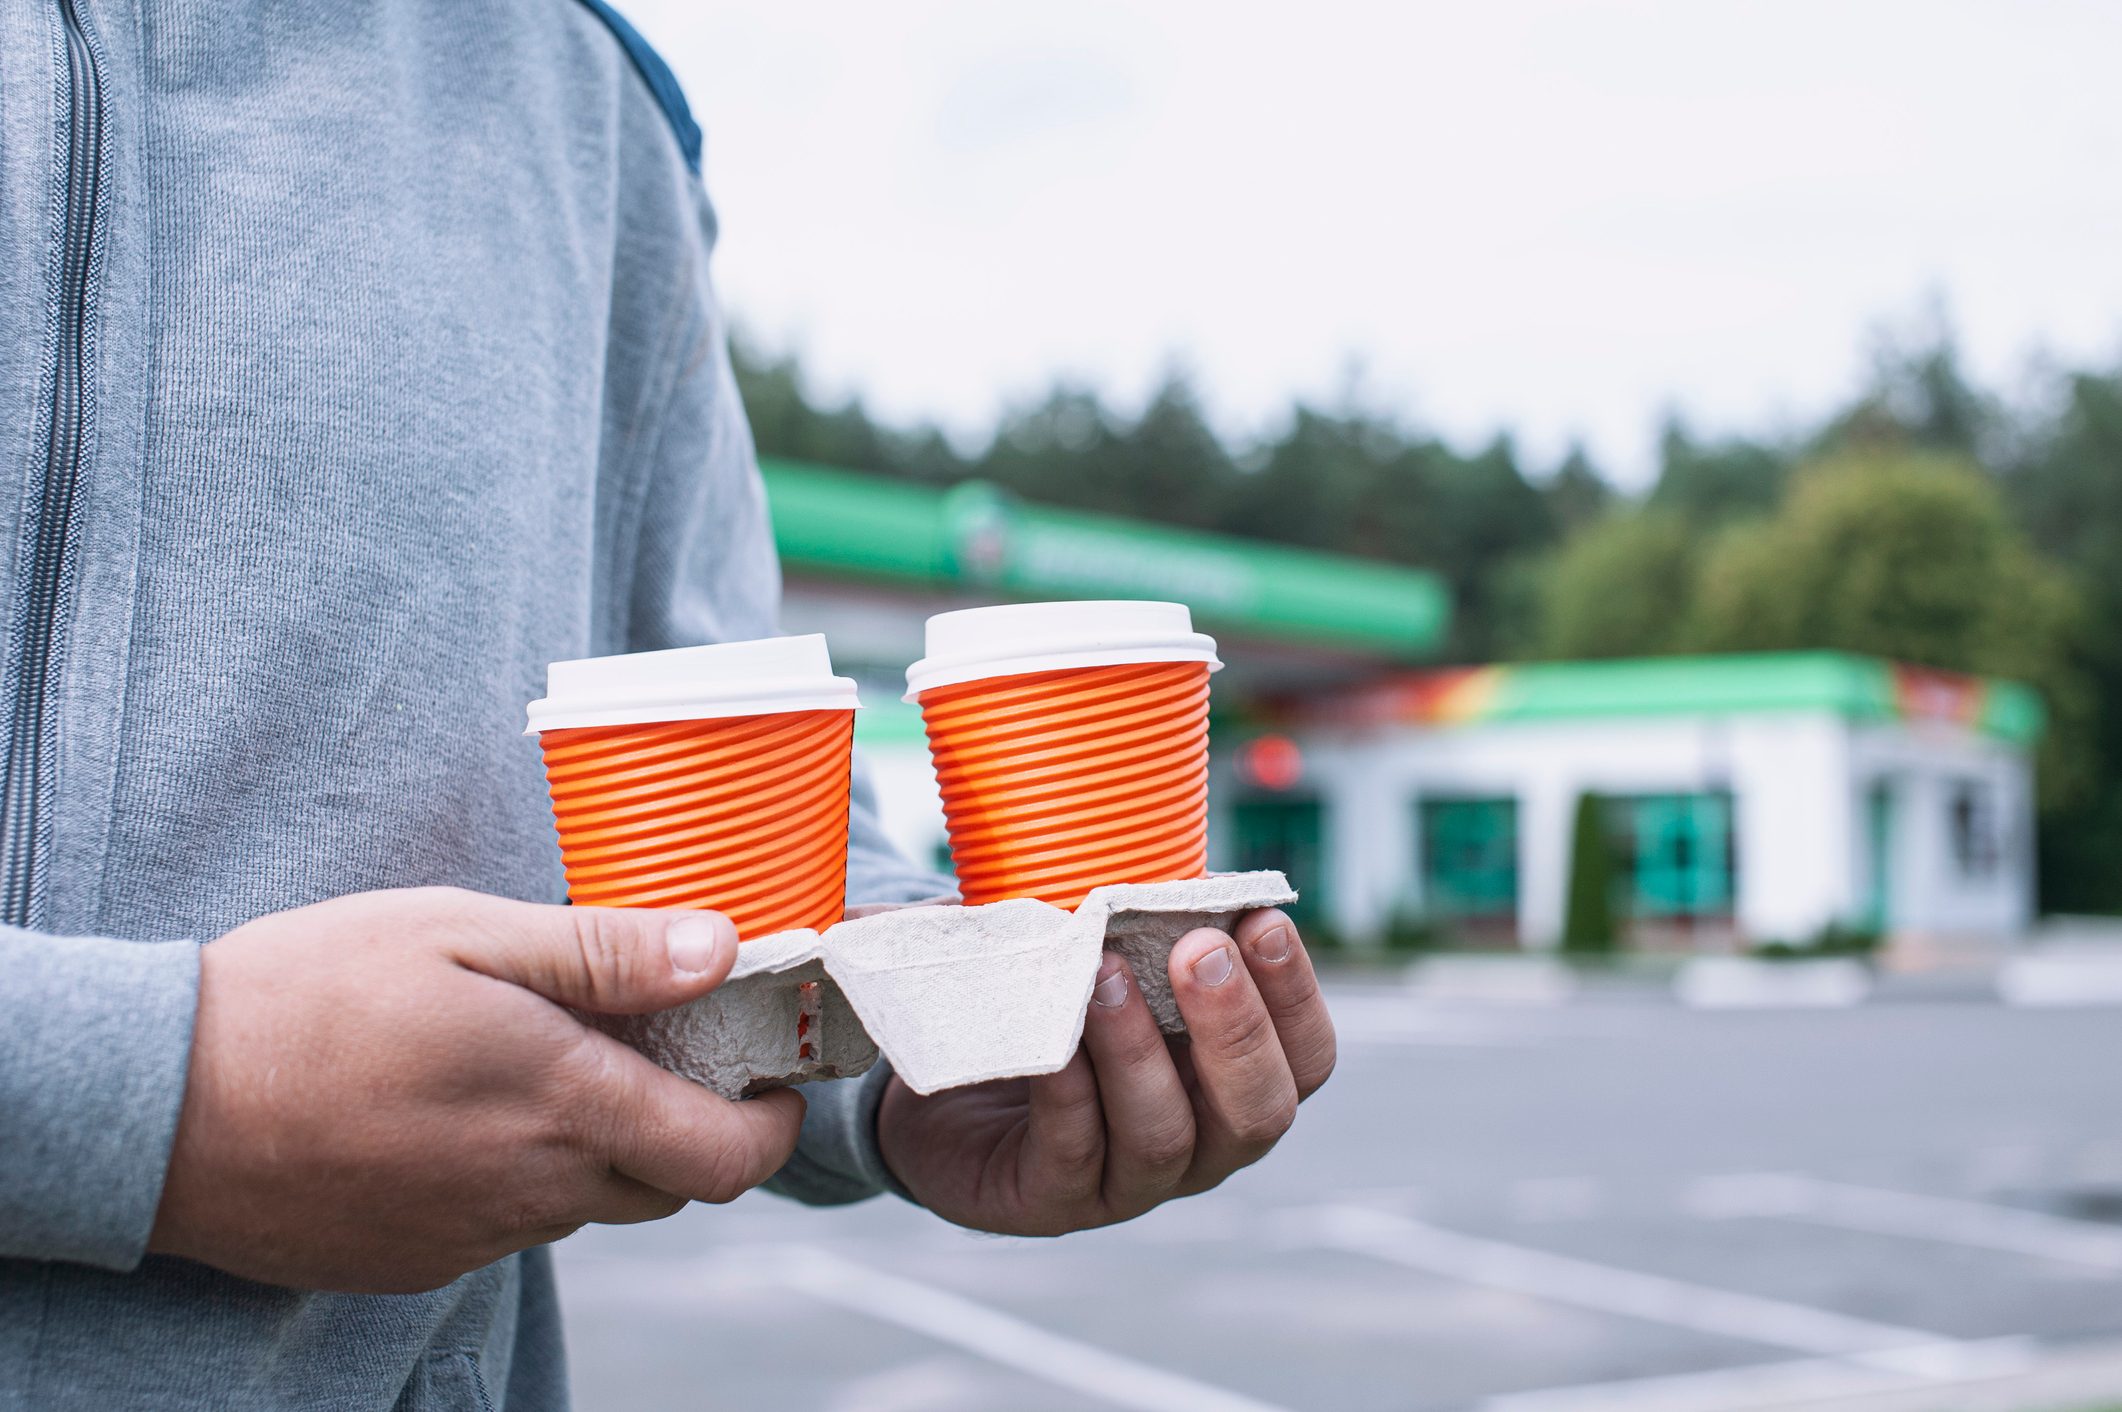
point(1168, 464)
point(1070, 449)
point(1356, 483)
point(1576, 494)
point(1489, 515)
point(1920, 398)
point(1911, 556)
point(1713, 483)
point(1619, 588)
point(1898, 554)
point(787, 420)
point(2067, 489)
point(1050, 441)
point(1588, 921)
point(1337, 479)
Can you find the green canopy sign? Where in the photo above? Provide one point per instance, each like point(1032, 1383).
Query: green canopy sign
point(973, 535)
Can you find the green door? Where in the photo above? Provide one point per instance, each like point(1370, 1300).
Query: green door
point(1288, 837)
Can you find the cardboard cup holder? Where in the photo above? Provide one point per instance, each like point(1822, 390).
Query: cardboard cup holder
point(1071, 742)
point(950, 995)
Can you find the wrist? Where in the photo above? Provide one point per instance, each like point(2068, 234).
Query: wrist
point(95, 1034)
point(177, 1214)
point(884, 1128)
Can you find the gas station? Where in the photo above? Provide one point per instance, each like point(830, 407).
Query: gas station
point(1750, 799)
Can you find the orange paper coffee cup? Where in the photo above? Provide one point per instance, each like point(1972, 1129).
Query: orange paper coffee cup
point(1078, 754)
point(742, 813)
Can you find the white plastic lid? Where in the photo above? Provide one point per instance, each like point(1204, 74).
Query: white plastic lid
point(692, 684)
point(1014, 638)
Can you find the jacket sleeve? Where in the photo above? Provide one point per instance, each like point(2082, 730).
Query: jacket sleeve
point(705, 571)
point(95, 1044)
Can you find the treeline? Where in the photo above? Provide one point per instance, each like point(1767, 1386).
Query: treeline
point(1929, 520)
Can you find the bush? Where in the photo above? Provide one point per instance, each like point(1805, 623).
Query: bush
point(1588, 924)
point(1321, 939)
point(1616, 587)
point(1834, 939)
point(1411, 933)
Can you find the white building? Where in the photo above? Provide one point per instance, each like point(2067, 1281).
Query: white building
point(1754, 799)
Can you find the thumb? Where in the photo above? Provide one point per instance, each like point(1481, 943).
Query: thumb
point(607, 960)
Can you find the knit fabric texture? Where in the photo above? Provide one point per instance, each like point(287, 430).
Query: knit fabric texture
point(403, 378)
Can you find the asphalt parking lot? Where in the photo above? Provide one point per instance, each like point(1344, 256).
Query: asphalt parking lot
point(1610, 1203)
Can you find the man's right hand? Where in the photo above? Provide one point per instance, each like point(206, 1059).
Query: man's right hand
point(386, 1092)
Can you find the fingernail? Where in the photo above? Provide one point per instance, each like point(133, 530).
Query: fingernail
point(1111, 992)
point(1214, 968)
point(691, 944)
point(1272, 945)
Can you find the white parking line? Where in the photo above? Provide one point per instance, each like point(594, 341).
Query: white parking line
point(945, 1380)
point(950, 1319)
point(1947, 1220)
point(1610, 1289)
point(1756, 1385)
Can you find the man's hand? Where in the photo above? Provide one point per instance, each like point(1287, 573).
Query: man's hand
point(1134, 1119)
point(385, 1091)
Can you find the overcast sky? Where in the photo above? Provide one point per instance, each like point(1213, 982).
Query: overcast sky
point(1558, 216)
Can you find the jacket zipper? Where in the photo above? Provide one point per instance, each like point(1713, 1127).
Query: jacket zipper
point(45, 577)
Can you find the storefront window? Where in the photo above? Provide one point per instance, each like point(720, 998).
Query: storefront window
point(1677, 851)
point(1470, 859)
point(1974, 829)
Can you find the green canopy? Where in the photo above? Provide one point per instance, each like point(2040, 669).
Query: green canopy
point(973, 536)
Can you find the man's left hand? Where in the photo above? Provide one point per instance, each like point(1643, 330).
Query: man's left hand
point(1134, 1119)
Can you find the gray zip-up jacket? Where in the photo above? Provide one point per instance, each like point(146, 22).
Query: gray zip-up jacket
point(356, 360)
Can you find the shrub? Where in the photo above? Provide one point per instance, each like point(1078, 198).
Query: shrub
point(1834, 939)
point(1588, 924)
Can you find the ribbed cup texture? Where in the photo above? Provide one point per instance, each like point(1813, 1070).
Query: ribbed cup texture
point(746, 815)
point(1056, 782)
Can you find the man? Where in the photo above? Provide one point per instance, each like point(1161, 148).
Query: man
point(361, 359)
